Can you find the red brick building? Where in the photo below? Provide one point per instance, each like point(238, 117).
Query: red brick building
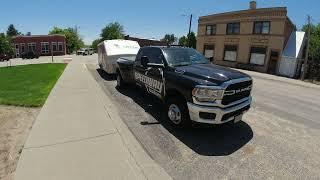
point(40, 44)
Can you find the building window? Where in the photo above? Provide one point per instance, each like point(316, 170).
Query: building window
point(32, 47)
point(233, 28)
point(208, 51)
point(22, 47)
point(230, 53)
point(54, 47)
point(60, 46)
point(258, 55)
point(211, 30)
point(44, 47)
point(17, 50)
point(261, 27)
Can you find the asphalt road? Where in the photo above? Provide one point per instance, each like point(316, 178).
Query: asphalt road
point(278, 138)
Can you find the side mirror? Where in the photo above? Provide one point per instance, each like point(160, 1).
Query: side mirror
point(144, 61)
point(154, 65)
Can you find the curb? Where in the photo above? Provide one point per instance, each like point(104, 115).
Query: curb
point(148, 167)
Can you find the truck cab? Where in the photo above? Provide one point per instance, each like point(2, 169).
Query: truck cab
point(191, 88)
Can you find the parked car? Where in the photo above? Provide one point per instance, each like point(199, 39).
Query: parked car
point(111, 50)
point(190, 87)
point(85, 51)
point(4, 57)
point(29, 55)
point(91, 51)
point(81, 51)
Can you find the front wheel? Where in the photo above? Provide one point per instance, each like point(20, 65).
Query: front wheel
point(177, 112)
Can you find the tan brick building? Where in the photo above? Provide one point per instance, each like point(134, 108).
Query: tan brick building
point(250, 39)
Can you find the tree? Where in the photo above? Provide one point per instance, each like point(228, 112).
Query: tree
point(112, 31)
point(169, 38)
point(95, 43)
point(12, 31)
point(73, 40)
point(192, 40)
point(183, 41)
point(5, 45)
point(314, 49)
point(28, 34)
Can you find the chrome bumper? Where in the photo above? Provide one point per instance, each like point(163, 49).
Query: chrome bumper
point(194, 112)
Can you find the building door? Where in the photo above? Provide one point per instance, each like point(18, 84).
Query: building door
point(17, 50)
point(274, 57)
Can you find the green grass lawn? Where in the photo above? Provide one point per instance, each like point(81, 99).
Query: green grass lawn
point(28, 85)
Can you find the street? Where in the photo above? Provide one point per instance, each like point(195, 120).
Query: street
point(278, 137)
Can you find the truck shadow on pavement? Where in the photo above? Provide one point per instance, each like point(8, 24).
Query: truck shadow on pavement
point(206, 140)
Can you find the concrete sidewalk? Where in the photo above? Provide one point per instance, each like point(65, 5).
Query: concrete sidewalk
point(79, 135)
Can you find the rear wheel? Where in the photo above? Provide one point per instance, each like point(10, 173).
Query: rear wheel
point(120, 82)
point(177, 112)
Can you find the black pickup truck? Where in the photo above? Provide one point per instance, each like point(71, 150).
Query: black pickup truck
point(191, 88)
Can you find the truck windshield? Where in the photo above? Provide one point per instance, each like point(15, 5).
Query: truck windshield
point(183, 57)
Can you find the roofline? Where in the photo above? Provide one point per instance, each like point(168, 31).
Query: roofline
point(51, 35)
point(291, 22)
point(245, 11)
point(102, 42)
point(142, 38)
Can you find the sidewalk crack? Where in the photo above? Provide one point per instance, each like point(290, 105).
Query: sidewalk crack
point(72, 141)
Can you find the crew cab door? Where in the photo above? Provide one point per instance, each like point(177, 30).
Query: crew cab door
point(148, 76)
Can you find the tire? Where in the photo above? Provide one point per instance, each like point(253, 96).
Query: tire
point(177, 113)
point(120, 82)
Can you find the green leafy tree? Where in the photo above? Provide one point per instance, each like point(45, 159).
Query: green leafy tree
point(169, 38)
point(192, 40)
point(5, 45)
point(95, 43)
point(112, 31)
point(314, 49)
point(12, 31)
point(73, 39)
point(183, 41)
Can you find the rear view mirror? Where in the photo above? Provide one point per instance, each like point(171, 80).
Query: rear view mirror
point(144, 61)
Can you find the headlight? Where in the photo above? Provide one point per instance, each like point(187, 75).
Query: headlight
point(207, 93)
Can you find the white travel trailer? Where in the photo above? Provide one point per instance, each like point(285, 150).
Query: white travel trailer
point(110, 51)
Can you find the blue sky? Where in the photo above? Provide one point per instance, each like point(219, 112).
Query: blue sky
point(141, 18)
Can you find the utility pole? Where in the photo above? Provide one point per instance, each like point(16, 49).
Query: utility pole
point(51, 52)
point(305, 64)
point(189, 43)
point(76, 29)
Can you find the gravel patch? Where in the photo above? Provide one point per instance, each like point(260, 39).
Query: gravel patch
point(15, 125)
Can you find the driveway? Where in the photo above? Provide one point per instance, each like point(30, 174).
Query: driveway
point(278, 138)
